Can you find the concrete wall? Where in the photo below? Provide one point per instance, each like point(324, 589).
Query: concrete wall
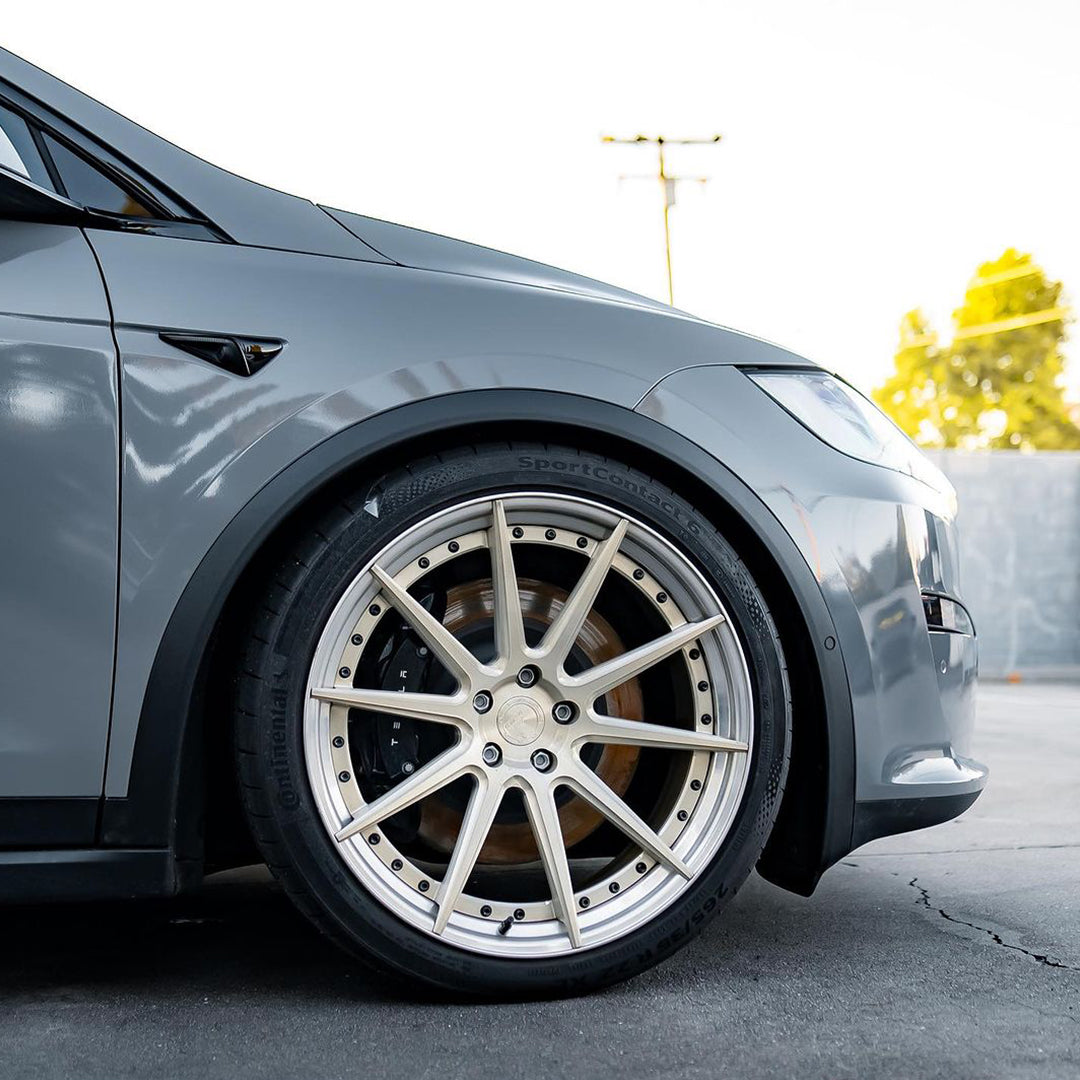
point(1020, 557)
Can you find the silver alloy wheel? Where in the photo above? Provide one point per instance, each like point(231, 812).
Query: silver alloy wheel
point(507, 719)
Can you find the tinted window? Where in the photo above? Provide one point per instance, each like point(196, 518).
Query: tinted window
point(18, 151)
point(89, 186)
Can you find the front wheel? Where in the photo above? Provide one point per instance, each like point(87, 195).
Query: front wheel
point(515, 720)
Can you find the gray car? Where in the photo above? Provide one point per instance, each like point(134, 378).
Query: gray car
point(511, 618)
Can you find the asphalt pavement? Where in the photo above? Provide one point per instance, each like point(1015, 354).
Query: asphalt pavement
point(951, 952)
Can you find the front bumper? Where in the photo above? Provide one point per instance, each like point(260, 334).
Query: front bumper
point(876, 541)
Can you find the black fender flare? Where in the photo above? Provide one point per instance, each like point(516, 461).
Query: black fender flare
point(166, 766)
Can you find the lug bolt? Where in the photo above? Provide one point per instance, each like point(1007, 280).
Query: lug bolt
point(527, 676)
point(564, 712)
point(482, 701)
point(491, 754)
point(542, 760)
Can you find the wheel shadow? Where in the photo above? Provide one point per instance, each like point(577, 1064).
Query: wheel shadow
point(239, 934)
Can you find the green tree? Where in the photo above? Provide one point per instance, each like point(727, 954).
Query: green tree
point(997, 385)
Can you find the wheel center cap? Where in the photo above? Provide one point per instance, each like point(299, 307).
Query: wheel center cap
point(520, 721)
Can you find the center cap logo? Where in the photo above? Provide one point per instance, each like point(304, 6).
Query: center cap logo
point(520, 721)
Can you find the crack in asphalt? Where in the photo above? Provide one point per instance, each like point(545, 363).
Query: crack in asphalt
point(1042, 958)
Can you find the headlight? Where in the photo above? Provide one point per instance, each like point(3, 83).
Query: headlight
point(839, 415)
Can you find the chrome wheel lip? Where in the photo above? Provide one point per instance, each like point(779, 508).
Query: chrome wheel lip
point(615, 908)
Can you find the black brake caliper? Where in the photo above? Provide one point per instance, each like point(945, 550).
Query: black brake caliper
point(389, 748)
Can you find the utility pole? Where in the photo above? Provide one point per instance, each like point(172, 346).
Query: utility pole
point(668, 183)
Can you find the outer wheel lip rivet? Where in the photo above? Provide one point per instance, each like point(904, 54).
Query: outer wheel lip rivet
point(485, 911)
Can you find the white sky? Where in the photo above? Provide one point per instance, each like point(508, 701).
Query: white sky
point(874, 153)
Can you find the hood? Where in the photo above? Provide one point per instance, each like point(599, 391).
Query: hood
point(430, 251)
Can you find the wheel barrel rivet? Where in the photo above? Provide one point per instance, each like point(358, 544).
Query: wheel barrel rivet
point(358, 639)
point(550, 534)
point(339, 742)
point(375, 609)
point(343, 777)
point(424, 562)
point(584, 901)
point(517, 532)
point(486, 911)
point(454, 545)
point(582, 542)
point(424, 886)
point(344, 672)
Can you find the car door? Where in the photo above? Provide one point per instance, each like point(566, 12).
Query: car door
point(59, 501)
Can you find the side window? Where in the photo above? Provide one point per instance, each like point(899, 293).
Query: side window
point(88, 186)
point(19, 152)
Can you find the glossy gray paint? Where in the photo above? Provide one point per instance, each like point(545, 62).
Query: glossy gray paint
point(874, 539)
point(58, 508)
point(199, 442)
point(377, 316)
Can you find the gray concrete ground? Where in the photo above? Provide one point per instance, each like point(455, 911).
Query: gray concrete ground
point(953, 952)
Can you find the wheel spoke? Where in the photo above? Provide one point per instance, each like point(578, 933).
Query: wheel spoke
point(437, 773)
point(591, 788)
point(606, 676)
point(509, 624)
point(475, 826)
point(544, 818)
point(461, 663)
point(438, 708)
point(563, 632)
point(611, 729)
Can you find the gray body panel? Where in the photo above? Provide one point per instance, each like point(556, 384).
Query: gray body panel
point(58, 508)
point(199, 442)
point(874, 539)
point(376, 317)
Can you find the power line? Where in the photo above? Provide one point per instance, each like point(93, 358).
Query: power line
point(668, 182)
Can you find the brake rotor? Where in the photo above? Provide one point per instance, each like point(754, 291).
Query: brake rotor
point(513, 842)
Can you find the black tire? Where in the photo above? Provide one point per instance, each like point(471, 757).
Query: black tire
point(301, 590)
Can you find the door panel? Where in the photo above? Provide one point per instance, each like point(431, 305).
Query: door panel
point(59, 473)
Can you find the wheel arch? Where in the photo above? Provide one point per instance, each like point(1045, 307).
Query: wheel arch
point(181, 775)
